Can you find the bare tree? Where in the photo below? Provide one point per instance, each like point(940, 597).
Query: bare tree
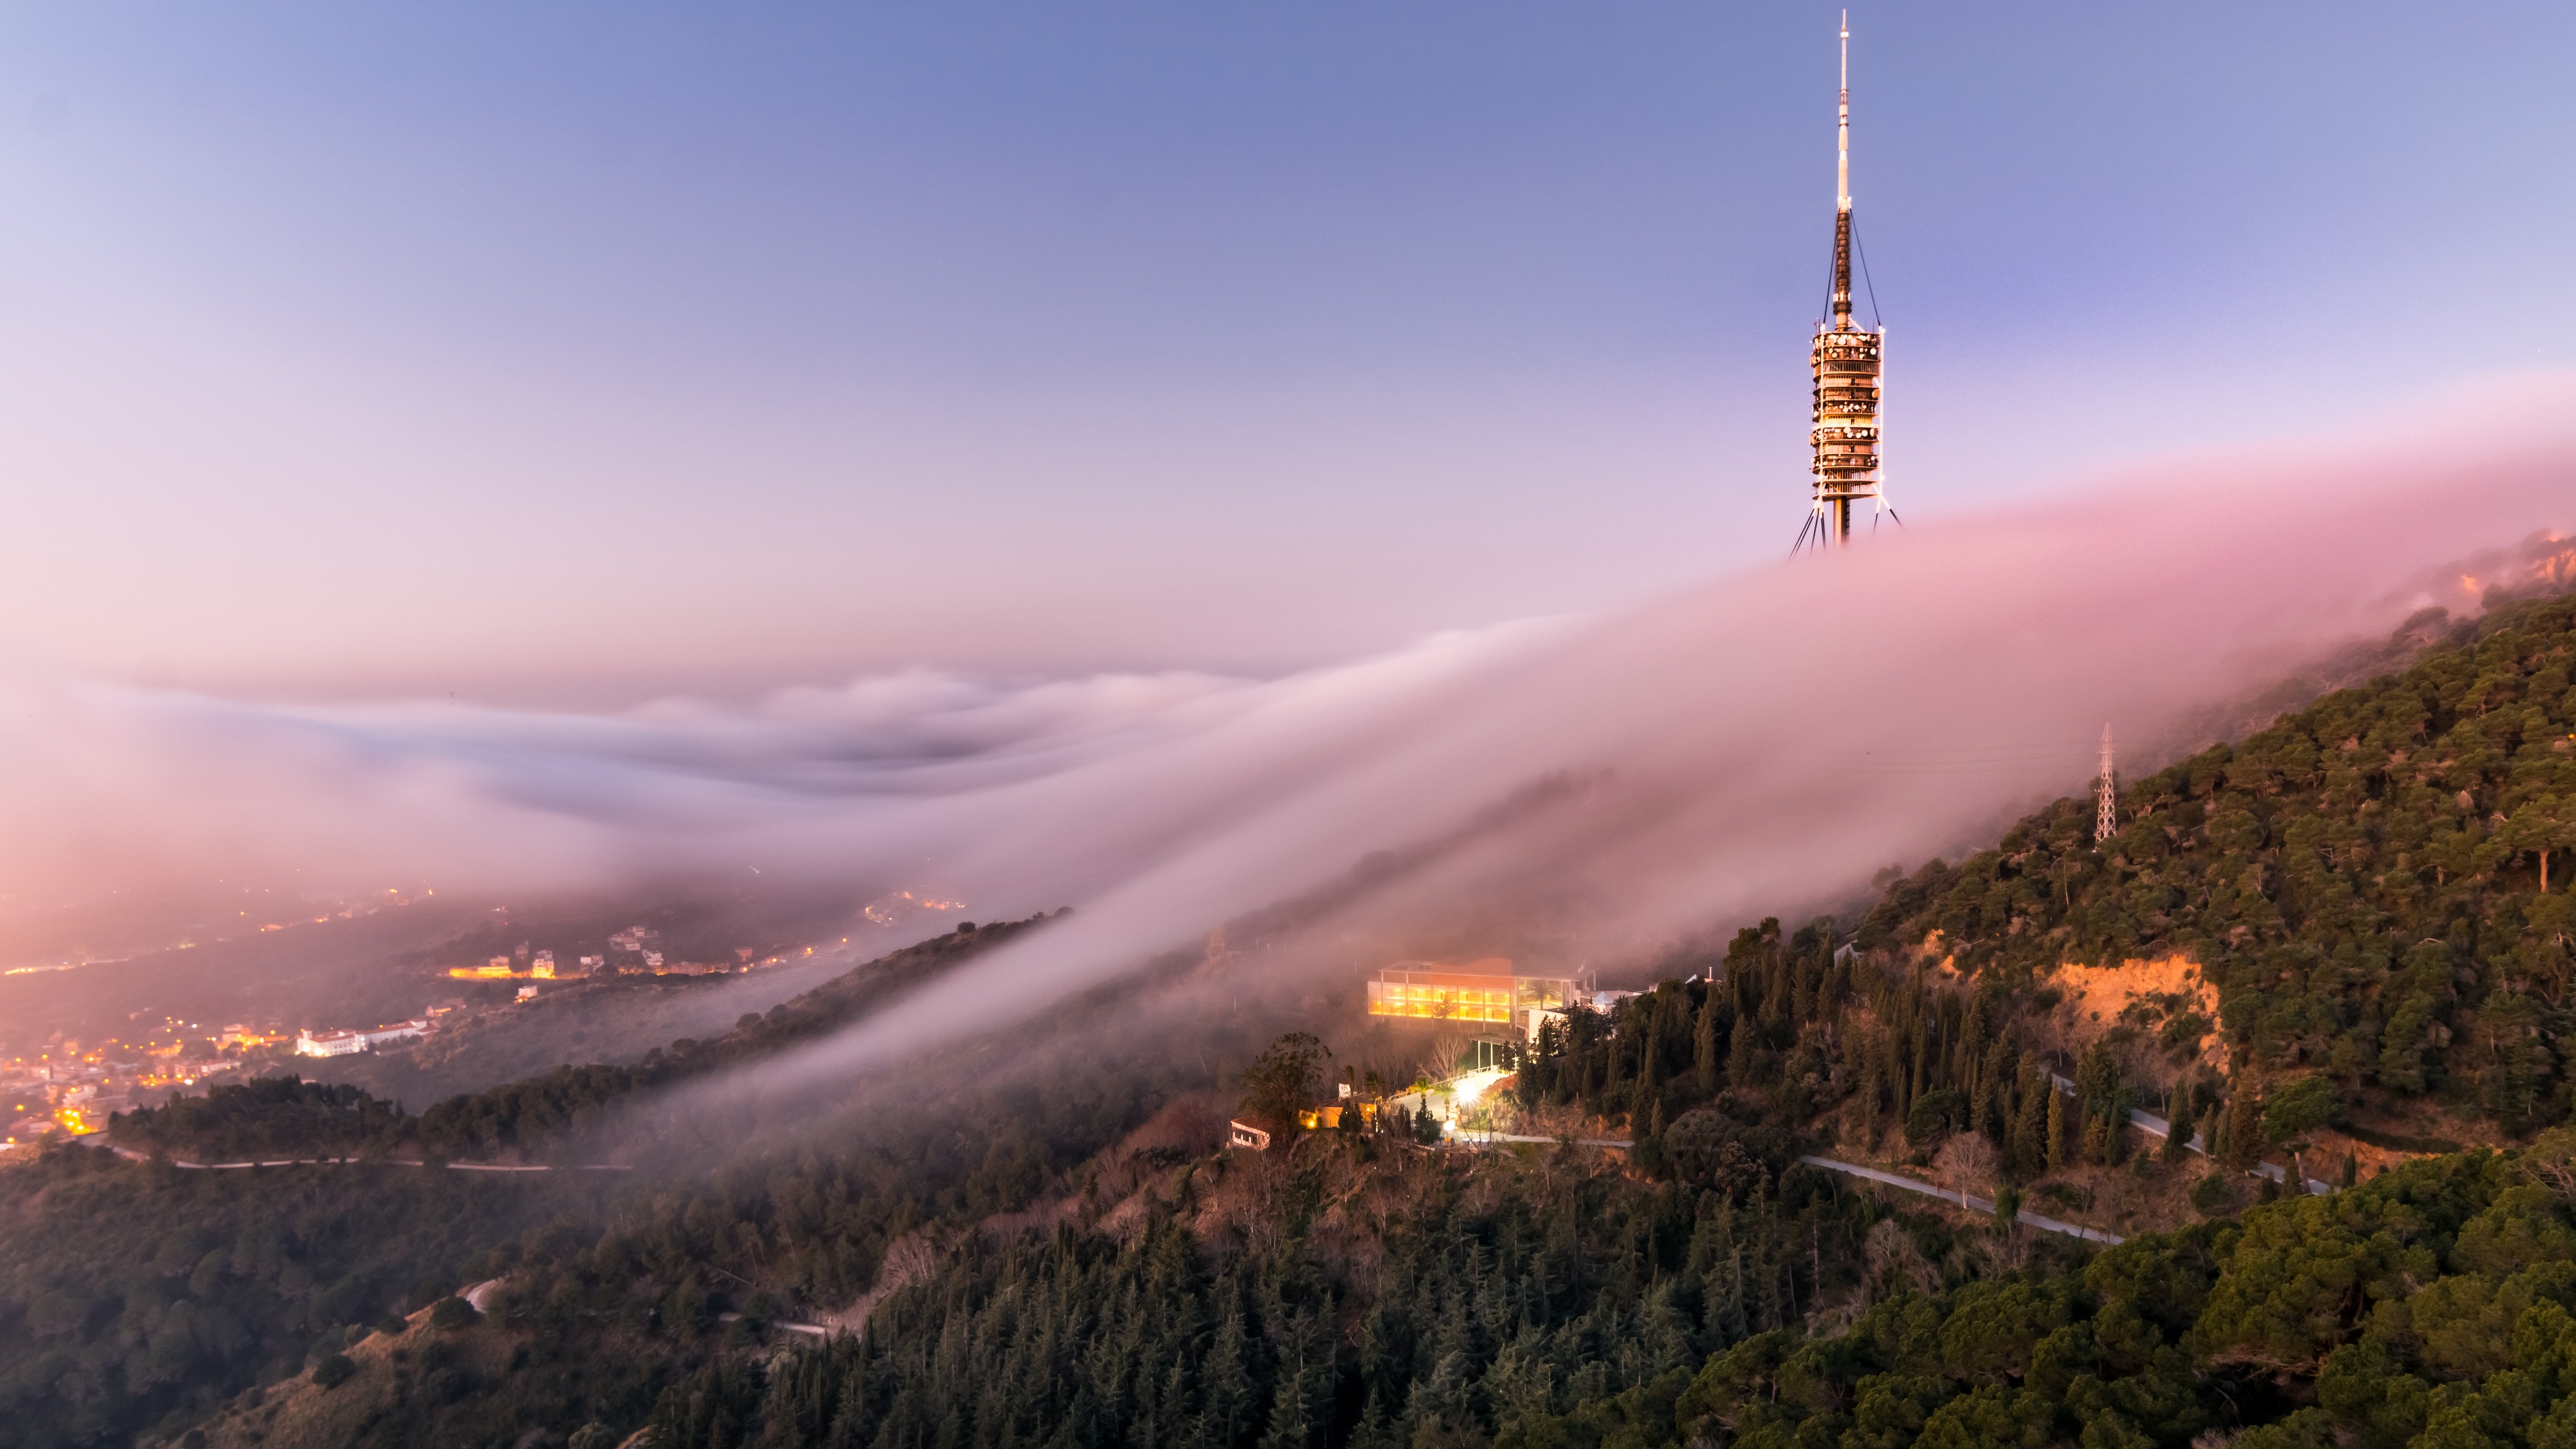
point(1894, 1262)
point(1965, 1164)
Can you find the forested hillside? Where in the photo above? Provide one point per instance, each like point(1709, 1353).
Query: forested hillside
point(2378, 885)
point(1058, 1253)
point(1525, 1306)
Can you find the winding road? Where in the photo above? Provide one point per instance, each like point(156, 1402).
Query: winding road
point(1973, 1204)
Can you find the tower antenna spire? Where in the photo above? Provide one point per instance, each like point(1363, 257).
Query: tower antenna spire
point(1842, 131)
point(1842, 189)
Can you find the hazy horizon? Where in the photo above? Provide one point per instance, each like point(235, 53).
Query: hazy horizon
point(579, 358)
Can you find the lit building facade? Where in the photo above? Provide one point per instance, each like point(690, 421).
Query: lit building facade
point(1486, 992)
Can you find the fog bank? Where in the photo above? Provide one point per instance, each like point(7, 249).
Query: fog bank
point(1755, 745)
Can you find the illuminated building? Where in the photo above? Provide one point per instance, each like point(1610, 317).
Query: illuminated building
point(1849, 366)
point(344, 1043)
point(329, 1043)
point(1480, 991)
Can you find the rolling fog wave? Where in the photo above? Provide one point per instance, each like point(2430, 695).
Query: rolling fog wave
point(1753, 746)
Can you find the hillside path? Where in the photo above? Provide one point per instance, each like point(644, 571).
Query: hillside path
point(130, 1155)
point(1973, 1204)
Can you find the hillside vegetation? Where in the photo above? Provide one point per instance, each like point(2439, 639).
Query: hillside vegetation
point(2375, 886)
point(2378, 885)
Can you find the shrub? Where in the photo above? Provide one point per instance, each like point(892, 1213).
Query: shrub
point(453, 1313)
point(2213, 1195)
point(334, 1370)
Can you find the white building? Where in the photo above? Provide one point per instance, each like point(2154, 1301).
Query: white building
point(329, 1043)
point(343, 1043)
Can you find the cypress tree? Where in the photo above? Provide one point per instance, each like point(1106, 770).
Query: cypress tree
point(1650, 1044)
point(2178, 1137)
point(2056, 1135)
point(2242, 1142)
point(2030, 1133)
point(1743, 1057)
point(1705, 1060)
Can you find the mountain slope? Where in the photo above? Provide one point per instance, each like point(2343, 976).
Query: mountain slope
point(1044, 1269)
point(2377, 885)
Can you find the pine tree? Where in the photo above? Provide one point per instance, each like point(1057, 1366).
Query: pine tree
point(1290, 1428)
point(1227, 1381)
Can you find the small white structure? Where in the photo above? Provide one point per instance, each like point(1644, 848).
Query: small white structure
point(1240, 1134)
point(527, 993)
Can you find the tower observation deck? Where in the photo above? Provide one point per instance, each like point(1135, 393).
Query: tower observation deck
point(1849, 365)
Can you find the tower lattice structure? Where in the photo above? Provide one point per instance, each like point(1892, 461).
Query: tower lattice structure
point(1849, 362)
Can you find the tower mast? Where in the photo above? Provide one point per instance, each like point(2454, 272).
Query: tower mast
point(1842, 183)
point(1846, 362)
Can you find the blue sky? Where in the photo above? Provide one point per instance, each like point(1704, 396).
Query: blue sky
point(583, 353)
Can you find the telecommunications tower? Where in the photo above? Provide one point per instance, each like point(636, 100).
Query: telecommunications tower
point(1849, 374)
point(2106, 796)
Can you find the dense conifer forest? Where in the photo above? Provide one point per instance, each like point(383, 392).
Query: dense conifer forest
point(2374, 890)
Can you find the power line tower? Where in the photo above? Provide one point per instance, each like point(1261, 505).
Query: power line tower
point(1850, 373)
point(2106, 806)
